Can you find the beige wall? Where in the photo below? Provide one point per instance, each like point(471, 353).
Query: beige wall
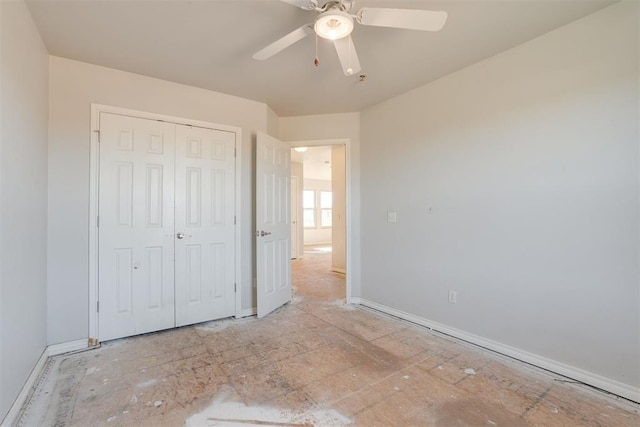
point(516, 184)
point(272, 123)
point(23, 198)
point(73, 87)
point(338, 213)
point(297, 170)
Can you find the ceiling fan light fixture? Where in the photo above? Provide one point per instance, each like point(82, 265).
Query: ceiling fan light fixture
point(333, 24)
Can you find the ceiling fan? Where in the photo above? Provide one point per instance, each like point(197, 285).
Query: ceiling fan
point(335, 22)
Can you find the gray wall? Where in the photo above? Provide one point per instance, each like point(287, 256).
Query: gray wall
point(23, 198)
point(74, 86)
point(516, 185)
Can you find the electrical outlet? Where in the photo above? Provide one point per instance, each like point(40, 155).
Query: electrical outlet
point(392, 217)
point(453, 297)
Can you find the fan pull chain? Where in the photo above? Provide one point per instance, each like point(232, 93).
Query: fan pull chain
point(316, 61)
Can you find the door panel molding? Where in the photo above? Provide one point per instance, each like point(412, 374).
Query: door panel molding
point(126, 266)
point(155, 145)
point(204, 213)
point(273, 226)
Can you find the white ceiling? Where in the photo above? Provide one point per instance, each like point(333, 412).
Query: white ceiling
point(316, 162)
point(209, 44)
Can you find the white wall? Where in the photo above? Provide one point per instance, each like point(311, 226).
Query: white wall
point(516, 184)
point(297, 171)
point(272, 123)
point(23, 198)
point(334, 126)
point(73, 87)
point(317, 235)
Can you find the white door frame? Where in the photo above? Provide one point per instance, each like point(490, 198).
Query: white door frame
point(348, 235)
point(295, 208)
point(94, 173)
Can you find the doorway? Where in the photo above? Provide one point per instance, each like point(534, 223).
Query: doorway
point(319, 268)
point(273, 227)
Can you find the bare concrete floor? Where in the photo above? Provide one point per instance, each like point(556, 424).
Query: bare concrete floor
point(313, 362)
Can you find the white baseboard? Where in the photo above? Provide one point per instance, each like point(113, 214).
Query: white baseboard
point(52, 350)
point(612, 386)
point(339, 270)
point(12, 416)
point(246, 312)
point(66, 347)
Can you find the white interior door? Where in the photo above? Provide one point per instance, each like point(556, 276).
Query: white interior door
point(273, 228)
point(294, 216)
point(205, 224)
point(136, 218)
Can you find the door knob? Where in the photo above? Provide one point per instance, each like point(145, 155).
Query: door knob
point(180, 235)
point(262, 233)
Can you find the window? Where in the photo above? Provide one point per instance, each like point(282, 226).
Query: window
point(309, 208)
point(326, 203)
point(316, 208)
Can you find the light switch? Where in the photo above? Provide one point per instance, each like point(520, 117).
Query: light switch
point(392, 217)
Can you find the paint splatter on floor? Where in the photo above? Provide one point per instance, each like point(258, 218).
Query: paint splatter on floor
point(240, 414)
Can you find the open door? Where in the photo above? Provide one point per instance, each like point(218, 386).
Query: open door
point(273, 223)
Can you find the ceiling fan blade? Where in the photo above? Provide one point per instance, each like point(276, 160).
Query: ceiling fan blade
point(424, 20)
point(303, 4)
point(347, 55)
point(284, 42)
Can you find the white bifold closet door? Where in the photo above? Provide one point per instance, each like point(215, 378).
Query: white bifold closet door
point(166, 225)
point(205, 208)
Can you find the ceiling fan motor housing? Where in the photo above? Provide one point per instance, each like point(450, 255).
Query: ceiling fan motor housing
point(334, 24)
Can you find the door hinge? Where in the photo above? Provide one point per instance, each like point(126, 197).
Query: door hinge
point(235, 152)
point(234, 220)
point(98, 221)
point(235, 287)
point(98, 132)
point(98, 306)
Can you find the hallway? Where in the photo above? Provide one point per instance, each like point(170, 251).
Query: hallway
point(313, 279)
point(315, 361)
